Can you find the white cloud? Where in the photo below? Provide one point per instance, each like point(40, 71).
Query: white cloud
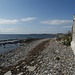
point(55, 29)
point(28, 19)
point(4, 21)
point(6, 30)
point(57, 22)
point(67, 26)
point(14, 21)
point(47, 27)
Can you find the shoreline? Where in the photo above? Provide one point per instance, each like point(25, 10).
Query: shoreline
point(16, 41)
point(9, 45)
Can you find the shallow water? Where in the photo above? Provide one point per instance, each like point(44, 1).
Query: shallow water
point(8, 47)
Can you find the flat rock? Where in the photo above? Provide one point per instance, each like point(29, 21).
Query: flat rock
point(31, 68)
point(20, 73)
point(8, 73)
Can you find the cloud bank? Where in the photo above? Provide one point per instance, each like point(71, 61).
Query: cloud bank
point(4, 21)
point(15, 21)
point(28, 19)
point(57, 22)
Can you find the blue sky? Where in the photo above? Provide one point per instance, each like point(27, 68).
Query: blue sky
point(36, 16)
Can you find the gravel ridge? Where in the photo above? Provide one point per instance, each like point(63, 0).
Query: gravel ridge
point(57, 59)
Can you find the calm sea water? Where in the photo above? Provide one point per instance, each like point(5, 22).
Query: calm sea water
point(22, 36)
point(9, 47)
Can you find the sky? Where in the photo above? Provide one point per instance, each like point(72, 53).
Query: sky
point(36, 16)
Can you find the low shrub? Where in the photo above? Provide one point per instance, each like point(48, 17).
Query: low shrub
point(57, 58)
point(68, 43)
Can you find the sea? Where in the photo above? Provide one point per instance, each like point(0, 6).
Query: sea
point(10, 47)
point(23, 36)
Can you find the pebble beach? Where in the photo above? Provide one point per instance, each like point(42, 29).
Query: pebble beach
point(39, 57)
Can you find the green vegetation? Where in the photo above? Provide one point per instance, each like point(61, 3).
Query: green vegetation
point(67, 42)
point(65, 39)
point(57, 58)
